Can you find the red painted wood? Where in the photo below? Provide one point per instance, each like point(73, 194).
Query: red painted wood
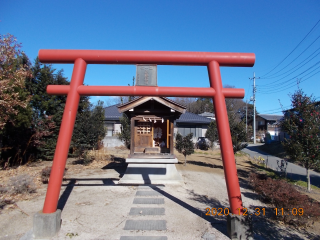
point(144, 91)
point(229, 164)
point(81, 58)
point(147, 57)
point(64, 138)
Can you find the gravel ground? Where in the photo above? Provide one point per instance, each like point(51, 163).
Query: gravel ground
point(95, 207)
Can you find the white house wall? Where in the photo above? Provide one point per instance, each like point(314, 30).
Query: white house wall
point(112, 142)
point(117, 128)
point(204, 130)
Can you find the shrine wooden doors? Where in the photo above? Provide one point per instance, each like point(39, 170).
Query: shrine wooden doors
point(143, 135)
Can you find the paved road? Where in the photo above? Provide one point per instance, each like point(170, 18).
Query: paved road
point(294, 171)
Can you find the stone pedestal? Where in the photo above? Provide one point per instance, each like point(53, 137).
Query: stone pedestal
point(151, 171)
point(239, 227)
point(46, 225)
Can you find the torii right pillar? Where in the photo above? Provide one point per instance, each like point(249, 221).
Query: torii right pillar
point(238, 226)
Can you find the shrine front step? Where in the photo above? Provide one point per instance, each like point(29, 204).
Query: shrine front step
point(152, 160)
point(151, 173)
point(152, 150)
point(139, 155)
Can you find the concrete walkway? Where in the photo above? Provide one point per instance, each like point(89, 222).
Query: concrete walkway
point(143, 205)
point(294, 171)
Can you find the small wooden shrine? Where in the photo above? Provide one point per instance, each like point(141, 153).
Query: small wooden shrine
point(152, 127)
point(152, 121)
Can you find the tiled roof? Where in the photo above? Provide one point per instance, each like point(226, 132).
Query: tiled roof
point(112, 113)
point(270, 117)
point(189, 117)
point(178, 104)
point(207, 114)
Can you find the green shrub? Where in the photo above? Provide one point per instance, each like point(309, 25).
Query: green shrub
point(184, 145)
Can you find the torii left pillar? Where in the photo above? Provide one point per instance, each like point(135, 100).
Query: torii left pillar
point(47, 223)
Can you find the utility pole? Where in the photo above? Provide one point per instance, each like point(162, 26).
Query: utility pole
point(254, 107)
point(247, 119)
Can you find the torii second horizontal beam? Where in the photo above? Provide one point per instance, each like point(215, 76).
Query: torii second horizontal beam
point(145, 91)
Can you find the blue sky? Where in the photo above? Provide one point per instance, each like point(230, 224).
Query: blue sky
point(270, 29)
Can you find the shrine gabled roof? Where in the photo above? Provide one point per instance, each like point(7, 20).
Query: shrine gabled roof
point(163, 100)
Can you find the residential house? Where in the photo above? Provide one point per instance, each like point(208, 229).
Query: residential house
point(270, 123)
point(112, 120)
point(208, 115)
point(192, 123)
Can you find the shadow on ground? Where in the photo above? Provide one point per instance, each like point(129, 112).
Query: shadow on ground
point(202, 164)
point(257, 149)
point(265, 226)
point(82, 162)
point(75, 182)
point(219, 224)
point(118, 164)
point(209, 157)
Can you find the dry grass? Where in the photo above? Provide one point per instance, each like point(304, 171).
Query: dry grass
point(21, 184)
point(7, 198)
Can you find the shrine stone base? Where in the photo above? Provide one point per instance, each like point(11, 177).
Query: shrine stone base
point(155, 171)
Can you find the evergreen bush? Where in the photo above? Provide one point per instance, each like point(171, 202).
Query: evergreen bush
point(184, 145)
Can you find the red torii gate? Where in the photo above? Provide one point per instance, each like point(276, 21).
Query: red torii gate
point(81, 58)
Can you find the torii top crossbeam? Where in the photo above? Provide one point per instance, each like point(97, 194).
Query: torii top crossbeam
point(81, 58)
point(147, 57)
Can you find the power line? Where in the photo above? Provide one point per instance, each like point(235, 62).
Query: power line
point(273, 112)
point(295, 59)
point(295, 66)
point(291, 79)
point(290, 84)
point(281, 83)
point(283, 109)
point(293, 49)
point(286, 108)
point(269, 110)
point(294, 84)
